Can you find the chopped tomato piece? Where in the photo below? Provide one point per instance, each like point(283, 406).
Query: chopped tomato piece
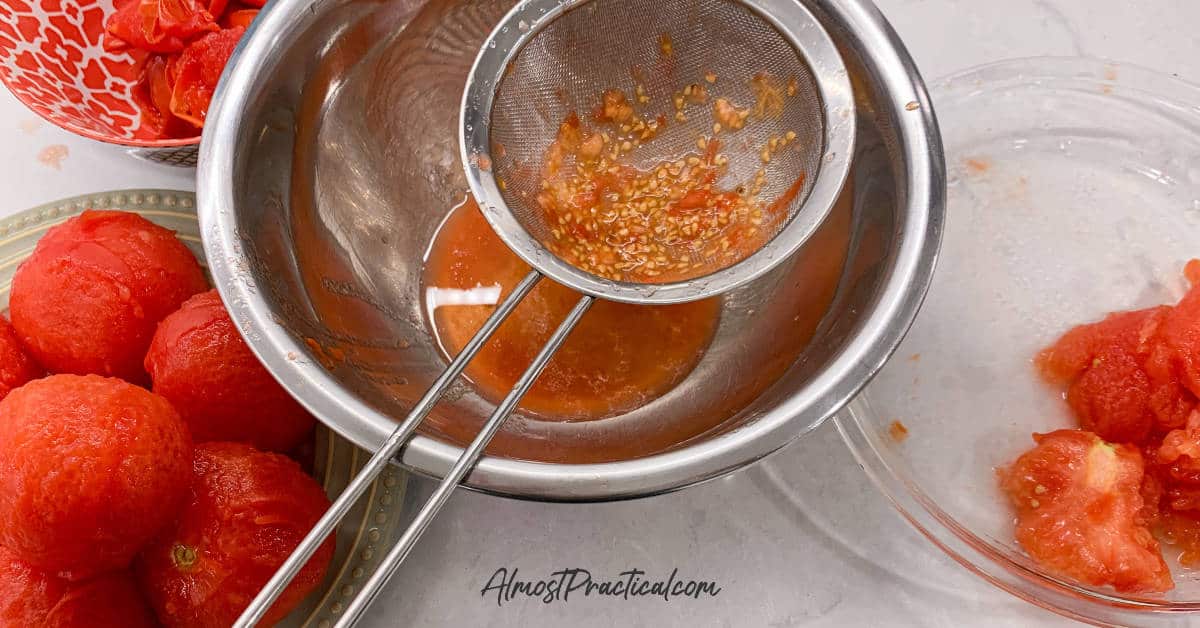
point(1080, 512)
point(1182, 445)
point(1074, 353)
point(181, 46)
point(1121, 384)
point(1180, 334)
point(1134, 374)
point(1112, 398)
point(196, 73)
point(1175, 476)
point(1169, 401)
point(1178, 458)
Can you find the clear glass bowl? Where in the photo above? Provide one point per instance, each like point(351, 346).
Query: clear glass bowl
point(1074, 190)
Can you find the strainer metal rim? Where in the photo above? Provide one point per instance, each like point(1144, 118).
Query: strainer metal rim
point(793, 21)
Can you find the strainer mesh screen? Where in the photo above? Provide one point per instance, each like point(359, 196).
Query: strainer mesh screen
point(661, 46)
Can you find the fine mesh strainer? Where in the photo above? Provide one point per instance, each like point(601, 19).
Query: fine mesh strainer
point(548, 59)
point(551, 58)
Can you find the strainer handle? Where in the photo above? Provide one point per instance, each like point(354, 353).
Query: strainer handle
point(379, 461)
point(387, 568)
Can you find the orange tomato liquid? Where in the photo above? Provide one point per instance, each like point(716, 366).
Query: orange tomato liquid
point(618, 358)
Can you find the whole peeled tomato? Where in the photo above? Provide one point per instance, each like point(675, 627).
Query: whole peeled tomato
point(32, 597)
point(200, 363)
point(89, 297)
point(17, 367)
point(91, 468)
point(248, 511)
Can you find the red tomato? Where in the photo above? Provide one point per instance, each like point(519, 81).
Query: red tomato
point(199, 362)
point(248, 511)
point(1123, 382)
point(197, 71)
point(89, 297)
point(91, 468)
point(32, 597)
point(17, 367)
point(1080, 512)
point(1112, 397)
point(1074, 353)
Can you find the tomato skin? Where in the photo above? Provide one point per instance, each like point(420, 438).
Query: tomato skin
point(160, 25)
point(1080, 512)
point(181, 46)
point(239, 17)
point(197, 71)
point(152, 93)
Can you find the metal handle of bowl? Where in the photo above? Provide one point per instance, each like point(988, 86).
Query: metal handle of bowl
point(396, 441)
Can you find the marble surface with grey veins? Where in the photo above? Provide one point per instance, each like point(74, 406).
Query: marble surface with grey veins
point(801, 538)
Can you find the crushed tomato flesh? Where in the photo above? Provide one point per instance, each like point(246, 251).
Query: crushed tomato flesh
point(1132, 381)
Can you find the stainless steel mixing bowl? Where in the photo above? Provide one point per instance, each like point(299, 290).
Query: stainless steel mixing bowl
point(329, 160)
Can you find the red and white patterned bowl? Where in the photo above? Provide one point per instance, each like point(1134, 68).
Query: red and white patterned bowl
point(52, 59)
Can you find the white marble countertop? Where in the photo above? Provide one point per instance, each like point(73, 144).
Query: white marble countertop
point(801, 538)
